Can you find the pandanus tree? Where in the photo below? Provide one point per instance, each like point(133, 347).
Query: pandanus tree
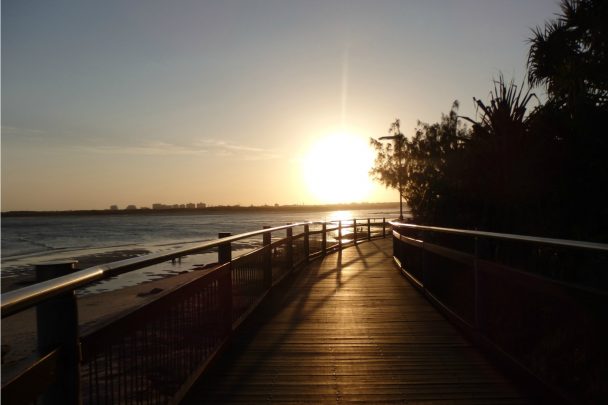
point(504, 159)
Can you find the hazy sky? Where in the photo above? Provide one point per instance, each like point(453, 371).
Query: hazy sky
point(136, 102)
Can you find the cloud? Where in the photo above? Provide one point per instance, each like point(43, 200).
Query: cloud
point(223, 148)
point(21, 132)
point(202, 147)
point(150, 149)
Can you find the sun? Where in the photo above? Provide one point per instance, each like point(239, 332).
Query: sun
point(336, 167)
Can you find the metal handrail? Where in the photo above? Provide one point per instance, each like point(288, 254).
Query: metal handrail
point(505, 236)
point(221, 298)
point(18, 300)
point(26, 297)
point(476, 292)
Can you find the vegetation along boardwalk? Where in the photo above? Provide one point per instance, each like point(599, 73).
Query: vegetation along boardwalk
point(349, 327)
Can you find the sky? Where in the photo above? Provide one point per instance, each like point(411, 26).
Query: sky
point(234, 102)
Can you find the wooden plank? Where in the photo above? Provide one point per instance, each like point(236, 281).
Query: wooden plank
point(351, 328)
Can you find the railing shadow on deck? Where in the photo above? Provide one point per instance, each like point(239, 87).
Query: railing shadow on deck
point(154, 353)
point(305, 306)
point(539, 306)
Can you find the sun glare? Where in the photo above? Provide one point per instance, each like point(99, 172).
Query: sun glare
point(336, 169)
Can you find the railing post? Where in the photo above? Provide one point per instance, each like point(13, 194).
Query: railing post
point(57, 323)
point(476, 281)
point(289, 249)
point(324, 239)
point(224, 251)
point(339, 235)
point(369, 229)
point(396, 248)
point(425, 272)
point(355, 231)
point(384, 227)
point(306, 242)
point(266, 240)
point(224, 255)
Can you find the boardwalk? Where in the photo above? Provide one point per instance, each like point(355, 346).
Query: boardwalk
point(350, 328)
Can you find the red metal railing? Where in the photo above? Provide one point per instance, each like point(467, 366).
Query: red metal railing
point(540, 305)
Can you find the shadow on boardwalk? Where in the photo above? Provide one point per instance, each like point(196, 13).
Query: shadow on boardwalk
point(350, 328)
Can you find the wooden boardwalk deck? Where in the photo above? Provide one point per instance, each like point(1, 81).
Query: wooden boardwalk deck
point(351, 328)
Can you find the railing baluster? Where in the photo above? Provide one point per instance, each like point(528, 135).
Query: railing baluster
point(425, 259)
point(306, 242)
point(324, 239)
point(267, 240)
point(289, 249)
point(476, 281)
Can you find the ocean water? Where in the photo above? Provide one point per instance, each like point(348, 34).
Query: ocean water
point(30, 240)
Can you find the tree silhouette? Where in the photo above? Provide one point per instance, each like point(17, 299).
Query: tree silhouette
point(390, 166)
point(517, 169)
point(508, 166)
point(569, 55)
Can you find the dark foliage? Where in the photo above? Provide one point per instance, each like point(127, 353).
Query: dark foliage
point(570, 55)
point(520, 168)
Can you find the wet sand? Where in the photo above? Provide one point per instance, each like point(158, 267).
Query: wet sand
point(21, 280)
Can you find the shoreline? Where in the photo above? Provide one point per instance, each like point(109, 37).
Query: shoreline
point(16, 276)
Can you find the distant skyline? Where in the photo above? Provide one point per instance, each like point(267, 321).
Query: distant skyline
point(229, 102)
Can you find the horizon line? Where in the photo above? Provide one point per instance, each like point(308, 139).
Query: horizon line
point(208, 207)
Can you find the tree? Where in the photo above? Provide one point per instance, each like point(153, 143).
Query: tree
point(508, 167)
point(570, 58)
point(540, 171)
point(434, 181)
point(570, 55)
point(417, 168)
point(390, 165)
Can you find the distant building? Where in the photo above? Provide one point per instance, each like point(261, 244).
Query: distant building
point(182, 206)
point(201, 205)
point(158, 206)
point(190, 205)
point(131, 207)
point(113, 207)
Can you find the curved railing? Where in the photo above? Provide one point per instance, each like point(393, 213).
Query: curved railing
point(23, 298)
point(538, 304)
point(155, 352)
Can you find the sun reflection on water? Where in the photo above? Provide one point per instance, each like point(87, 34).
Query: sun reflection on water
point(340, 215)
